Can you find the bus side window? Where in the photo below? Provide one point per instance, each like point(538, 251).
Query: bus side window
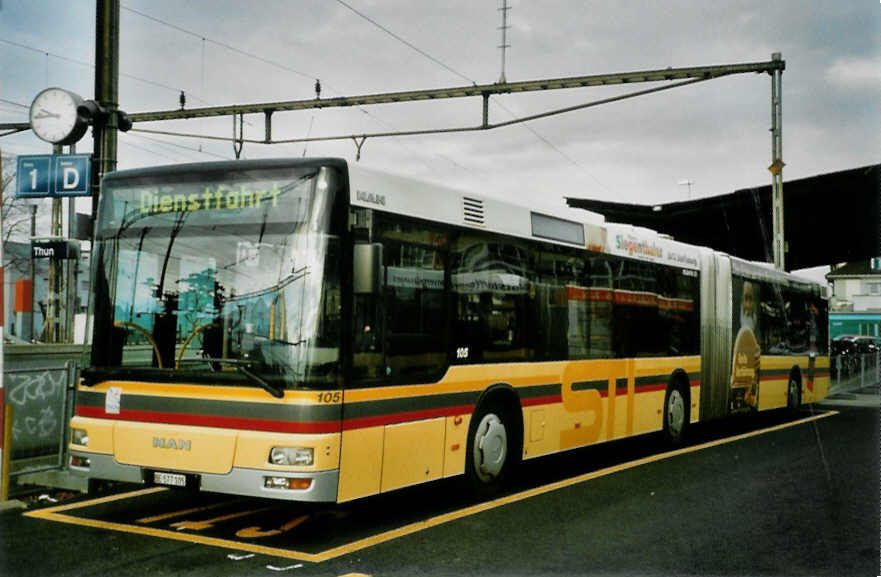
point(368, 360)
point(638, 325)
point(493, 293)
point(600, 301)
point(415, 256)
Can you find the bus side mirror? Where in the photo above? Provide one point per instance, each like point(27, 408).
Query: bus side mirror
point(367, 268)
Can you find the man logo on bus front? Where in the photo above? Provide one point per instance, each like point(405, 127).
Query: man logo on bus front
point(179, 444)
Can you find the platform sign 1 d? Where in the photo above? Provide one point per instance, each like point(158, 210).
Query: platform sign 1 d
point(53, 175)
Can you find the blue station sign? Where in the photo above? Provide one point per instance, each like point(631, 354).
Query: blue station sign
point(51, 175)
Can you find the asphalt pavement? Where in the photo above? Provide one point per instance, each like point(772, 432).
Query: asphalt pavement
point(760, 496)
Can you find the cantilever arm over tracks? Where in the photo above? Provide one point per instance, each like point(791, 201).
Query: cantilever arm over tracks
point(702, 72)
point(484, 91)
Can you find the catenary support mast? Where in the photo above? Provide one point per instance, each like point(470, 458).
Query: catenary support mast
point(776, 168)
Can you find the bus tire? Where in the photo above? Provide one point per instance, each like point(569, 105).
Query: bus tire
point(493, 446)
point(793, 396)
point(677, 407)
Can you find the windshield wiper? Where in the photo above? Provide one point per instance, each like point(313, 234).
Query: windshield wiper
point(240, 367)
point(275, 392)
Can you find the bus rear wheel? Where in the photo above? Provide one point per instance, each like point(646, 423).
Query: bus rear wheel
point(676, 414)
point(793, 397)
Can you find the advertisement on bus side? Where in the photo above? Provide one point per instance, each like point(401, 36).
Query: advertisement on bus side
point(743, 392)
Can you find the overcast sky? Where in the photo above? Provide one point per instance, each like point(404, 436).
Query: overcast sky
point(713, 134)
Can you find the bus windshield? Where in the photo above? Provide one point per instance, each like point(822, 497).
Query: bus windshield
point(229, 278)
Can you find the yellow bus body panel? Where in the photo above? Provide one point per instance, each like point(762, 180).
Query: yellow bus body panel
point(456, 444)
point(197, 449)
point(412, 453)
point(360, 463)
point(100, 434)
point(253, 448)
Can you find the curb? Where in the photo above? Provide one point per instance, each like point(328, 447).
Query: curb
point(12, 504)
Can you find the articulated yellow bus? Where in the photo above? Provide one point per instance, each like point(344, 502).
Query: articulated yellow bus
point(314, 331)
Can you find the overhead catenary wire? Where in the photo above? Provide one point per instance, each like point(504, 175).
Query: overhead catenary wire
point(203, 38)
point(13, 103)
point(534, 132)
point(405, 42)
point(225, 45)
point(92, 65)
point(180, 146)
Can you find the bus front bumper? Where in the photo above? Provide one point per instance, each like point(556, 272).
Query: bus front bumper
point(322, 485)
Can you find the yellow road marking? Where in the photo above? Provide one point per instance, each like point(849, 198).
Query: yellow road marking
point(148, 520)
point(108, 499)
point(208, 523)
point(52, 513)
point(255, 532)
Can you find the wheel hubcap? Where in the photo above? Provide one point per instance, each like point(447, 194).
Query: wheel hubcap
point(490, 447)
point(675, 413)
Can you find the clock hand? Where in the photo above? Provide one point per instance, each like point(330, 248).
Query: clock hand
point(43, 113)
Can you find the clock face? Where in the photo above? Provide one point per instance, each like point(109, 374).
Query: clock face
point(54, 115)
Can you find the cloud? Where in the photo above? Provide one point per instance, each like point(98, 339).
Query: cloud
point(713, 133)
point(856, 73)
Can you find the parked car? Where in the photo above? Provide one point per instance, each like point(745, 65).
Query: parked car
point(867, 345)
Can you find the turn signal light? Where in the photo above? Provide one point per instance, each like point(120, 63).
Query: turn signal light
point(81, 462)
point(290, 483)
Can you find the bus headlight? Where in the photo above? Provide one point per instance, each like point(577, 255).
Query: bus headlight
point(299, 456)
point(79, 437)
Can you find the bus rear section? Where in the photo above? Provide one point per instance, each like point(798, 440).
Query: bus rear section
point(215, 330)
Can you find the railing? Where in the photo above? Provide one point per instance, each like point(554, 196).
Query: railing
point(855, 371)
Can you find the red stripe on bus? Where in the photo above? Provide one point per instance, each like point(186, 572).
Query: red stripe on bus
point(395, 418)
point(213, 421)
point(320, 427)
point(652, 388)
point(549, 400)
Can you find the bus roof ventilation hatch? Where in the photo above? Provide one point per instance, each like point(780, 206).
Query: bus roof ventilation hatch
point(473, 211)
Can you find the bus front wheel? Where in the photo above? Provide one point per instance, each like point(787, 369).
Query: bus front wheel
point(492, 448)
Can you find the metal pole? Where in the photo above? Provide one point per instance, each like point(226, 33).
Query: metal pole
point(5, 450)
point(69, 268)
point(32, 336)
point(106, 92)
point(55, 271)
point(777, 164)
point(504, 46)
point(4, 425)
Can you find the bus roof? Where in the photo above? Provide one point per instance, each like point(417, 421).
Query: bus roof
point(370, 188)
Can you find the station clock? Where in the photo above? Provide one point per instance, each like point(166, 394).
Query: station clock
point(54, 116)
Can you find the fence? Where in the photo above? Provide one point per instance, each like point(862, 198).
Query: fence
point(853, 372)
point(38, 390)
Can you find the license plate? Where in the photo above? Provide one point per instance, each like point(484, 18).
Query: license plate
point(170, 479)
